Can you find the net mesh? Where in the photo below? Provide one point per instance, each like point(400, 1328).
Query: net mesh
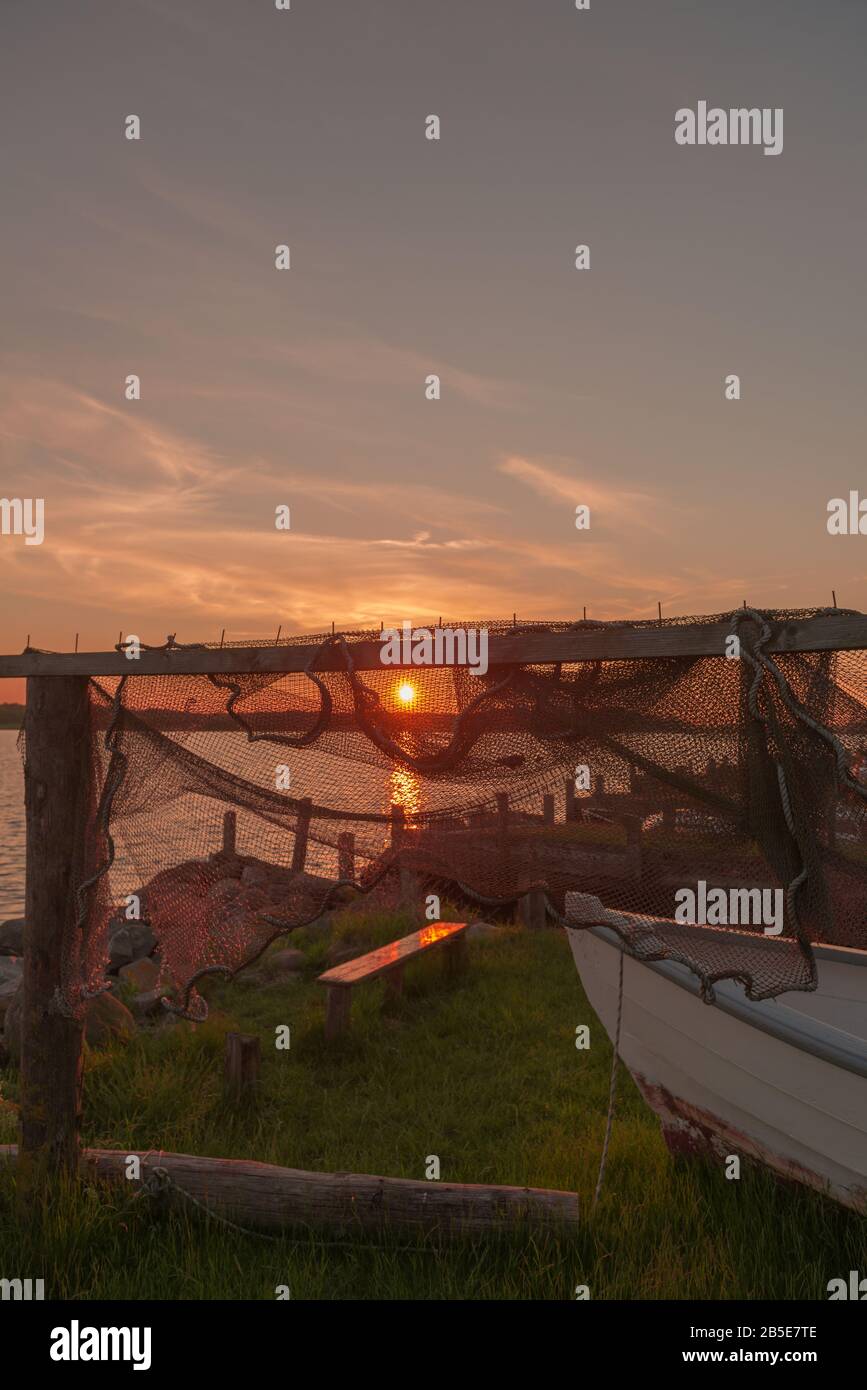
point(634, 782)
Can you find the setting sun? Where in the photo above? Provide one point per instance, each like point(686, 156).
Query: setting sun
point(406, 693)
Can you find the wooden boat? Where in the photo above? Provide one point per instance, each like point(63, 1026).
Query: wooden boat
point(782, 1081)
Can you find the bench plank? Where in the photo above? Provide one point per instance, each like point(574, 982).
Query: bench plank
point(392, 956)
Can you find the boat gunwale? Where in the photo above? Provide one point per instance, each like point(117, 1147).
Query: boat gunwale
point(799, 1030)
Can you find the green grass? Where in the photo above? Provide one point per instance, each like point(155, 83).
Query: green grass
point(482, 1072)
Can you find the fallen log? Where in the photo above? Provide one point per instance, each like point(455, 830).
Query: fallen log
point(267, 1197)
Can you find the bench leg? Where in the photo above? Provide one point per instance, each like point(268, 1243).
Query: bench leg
point(339, 998)
point(455, 956)
point(393, 987)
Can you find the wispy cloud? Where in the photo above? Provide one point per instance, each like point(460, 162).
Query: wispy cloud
point(609, 504)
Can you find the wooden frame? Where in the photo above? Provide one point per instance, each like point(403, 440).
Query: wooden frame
point(828, 632)
point(57, 726)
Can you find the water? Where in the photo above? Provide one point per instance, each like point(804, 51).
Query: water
point(11, 826)
point(194, 818)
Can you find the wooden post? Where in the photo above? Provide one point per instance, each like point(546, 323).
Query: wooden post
point(337, 1004)
point(242, 1060)
point(393, 988)
point(346, 855)
point(230, 826)
point(548, 808)
point(398, 823)
point(455, 953)
point(302, 830)
point(56, 788)
point(570, 798)
point(531, 909)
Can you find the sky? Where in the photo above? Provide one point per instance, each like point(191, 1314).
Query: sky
point(602, 387)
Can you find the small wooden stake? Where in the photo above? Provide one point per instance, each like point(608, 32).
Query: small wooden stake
point(346, 855)
point(230, 827)
point(398, 825)
point(243, 1057)
point(532, 909)
point(302, 830)
point(548, 808)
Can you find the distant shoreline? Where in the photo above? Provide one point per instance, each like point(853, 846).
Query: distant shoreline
point(11, 716)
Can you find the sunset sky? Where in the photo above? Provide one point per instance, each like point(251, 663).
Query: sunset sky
point(409, 257)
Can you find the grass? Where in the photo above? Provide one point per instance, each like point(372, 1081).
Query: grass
point(482, 1072)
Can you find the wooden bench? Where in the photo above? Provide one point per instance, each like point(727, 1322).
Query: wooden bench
point(389, 961)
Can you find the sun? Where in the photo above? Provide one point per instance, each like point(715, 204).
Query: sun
point(406, 693)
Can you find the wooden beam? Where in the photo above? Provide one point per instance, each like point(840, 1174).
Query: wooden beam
point(828, 632)
point(56, 781)
point(275, 1199)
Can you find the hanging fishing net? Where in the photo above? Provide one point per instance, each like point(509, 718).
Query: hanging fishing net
point(229, 810)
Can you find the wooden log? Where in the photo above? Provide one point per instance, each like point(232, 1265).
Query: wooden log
point(267, 1197)
point(242, 1062)
point(230, 828)
point(346, 855)
point(302, 831)
point(548, 809)
point(56, 788)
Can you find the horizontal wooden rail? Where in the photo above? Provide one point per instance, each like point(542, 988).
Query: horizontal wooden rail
point(264, 1196)
point(828, 632)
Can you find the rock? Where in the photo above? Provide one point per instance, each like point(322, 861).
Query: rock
point(482, 929)
point(338, 955)
point(106, 1019)
point(226, 889)
point(255, 874)
point(131, 941)
point(147, 1004)
point(142, 974)
point(11, 973)
point(286, 962)
point(321, 927)
point(12, 937)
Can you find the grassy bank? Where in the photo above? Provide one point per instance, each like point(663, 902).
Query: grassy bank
point(482, 1072)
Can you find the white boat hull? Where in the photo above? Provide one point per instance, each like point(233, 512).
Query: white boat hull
point(783, 1081)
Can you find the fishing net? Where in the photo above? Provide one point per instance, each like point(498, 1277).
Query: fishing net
point(228, 810)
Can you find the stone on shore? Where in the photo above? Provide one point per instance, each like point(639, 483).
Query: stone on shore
point(106, 1020)
point(12, 937)
point(11, 974)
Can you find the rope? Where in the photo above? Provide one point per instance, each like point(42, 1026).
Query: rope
point(160, 1184)
point(612, 1088)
